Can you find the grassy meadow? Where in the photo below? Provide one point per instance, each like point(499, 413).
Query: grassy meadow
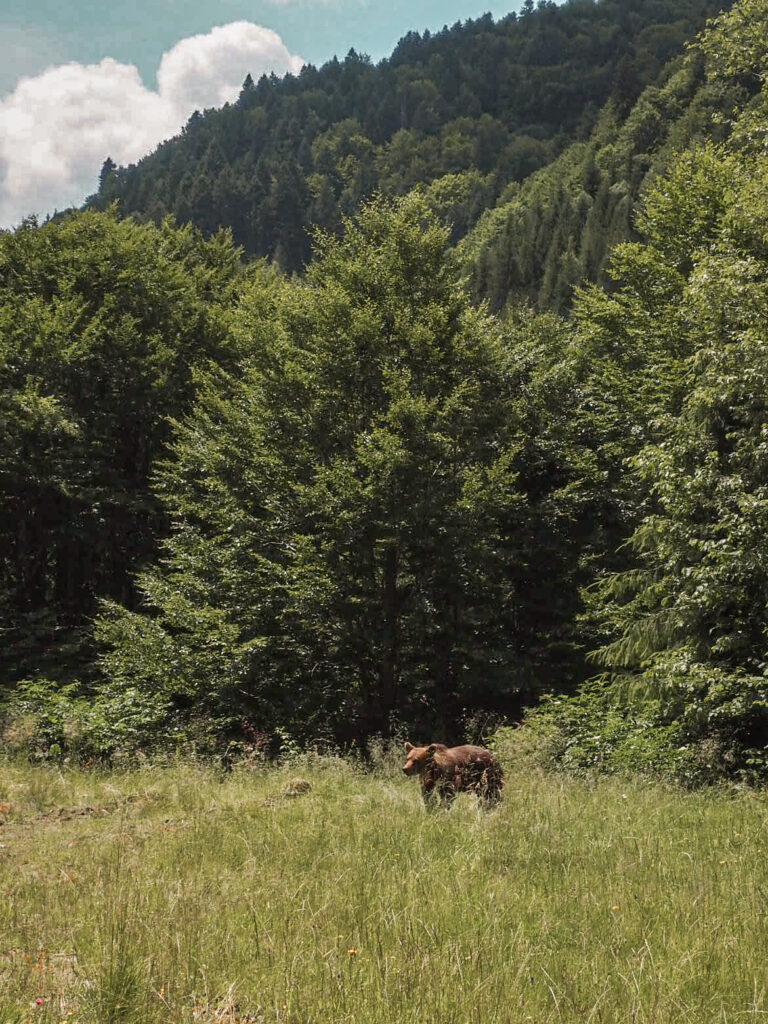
point(180, 894)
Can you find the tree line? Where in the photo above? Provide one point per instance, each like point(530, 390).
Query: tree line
point(240, 502)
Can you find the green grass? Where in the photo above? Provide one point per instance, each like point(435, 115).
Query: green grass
point(182, 896)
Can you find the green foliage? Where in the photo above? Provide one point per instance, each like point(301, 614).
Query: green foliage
point(390, 513)
point(356, 502)
point(735, 44)
point(46, 721)
point(101, 325)
point(684, 623)
point(459, 199)
point(676, 375)
point(500, 99)
point(559, 228)
point(572, 518)
point(594, 731)
point(340, 511)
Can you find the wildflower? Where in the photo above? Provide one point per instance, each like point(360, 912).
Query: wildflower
point(38, 1001)
point(352, 951)
point(616, 907)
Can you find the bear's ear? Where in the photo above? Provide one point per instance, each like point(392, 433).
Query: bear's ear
point(432, 749)
point(408, 746)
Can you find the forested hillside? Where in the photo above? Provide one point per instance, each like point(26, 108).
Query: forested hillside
point(482, 102)
point(554, 232)
point(288, 508)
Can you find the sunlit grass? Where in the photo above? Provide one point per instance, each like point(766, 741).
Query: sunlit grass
point(179, 894)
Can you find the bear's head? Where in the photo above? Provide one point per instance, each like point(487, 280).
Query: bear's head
point(416, 758)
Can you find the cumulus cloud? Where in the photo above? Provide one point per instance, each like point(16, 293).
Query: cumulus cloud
point(208, 70)
point(56, 128)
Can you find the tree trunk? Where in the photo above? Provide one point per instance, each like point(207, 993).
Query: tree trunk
point(390, 653)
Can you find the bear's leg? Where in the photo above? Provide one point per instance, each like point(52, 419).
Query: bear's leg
point(428, 792)
point(489, 790)
point(448, 790)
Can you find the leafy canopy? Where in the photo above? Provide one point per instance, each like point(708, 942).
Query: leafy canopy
point(337, 552)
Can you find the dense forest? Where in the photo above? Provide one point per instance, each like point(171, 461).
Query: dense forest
point(245, 504)
point(476, 107)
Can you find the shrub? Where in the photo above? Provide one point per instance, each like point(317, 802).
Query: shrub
point(45, 720)
point(592, 731)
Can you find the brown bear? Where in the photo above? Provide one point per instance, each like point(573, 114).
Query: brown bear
point(446, 771)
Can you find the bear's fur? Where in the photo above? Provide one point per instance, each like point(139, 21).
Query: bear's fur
point(446, 771)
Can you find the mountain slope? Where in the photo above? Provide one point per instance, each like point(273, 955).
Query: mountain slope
point(557, 230)
point(496, 100)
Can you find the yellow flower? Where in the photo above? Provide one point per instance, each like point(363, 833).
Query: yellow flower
point(352, 951)
point(617, 907)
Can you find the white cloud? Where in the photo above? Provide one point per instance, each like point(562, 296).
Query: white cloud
point(56, 128)
point(209, 70)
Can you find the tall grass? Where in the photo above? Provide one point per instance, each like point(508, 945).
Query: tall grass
point(184, 896)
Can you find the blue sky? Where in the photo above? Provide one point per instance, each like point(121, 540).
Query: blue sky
point(36, 33)
point(81, 80)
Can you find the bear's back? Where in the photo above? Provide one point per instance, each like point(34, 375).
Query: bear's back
point(467, 754)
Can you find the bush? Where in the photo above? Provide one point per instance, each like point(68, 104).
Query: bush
point(592, 732)
point(44, 720)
